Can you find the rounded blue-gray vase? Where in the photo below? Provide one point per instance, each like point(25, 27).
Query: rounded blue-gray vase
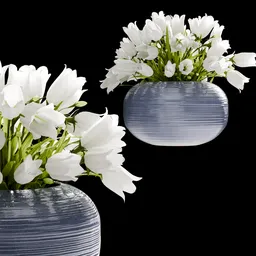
point(173, 113)
point(55, 221)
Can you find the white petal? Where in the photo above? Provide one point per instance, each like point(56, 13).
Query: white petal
point(2, 139)
point(1, 177)
point(27, 170)
point(12, 95)
point(146, 70)
point(237, 79)
point(44, 129)
point(119, 180)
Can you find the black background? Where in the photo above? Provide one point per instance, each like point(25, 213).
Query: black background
point(191, 200)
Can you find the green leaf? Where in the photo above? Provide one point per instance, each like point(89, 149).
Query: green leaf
point(8, 168)
point(15, 144)
point(25, 145)
point(57, 107)
point(168, 44)
point(81, 104)
point(48, 181)
point(45, 174)
point(3, 186)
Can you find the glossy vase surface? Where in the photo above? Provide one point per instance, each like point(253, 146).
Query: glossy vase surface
point(175, 113)
point(55, 221)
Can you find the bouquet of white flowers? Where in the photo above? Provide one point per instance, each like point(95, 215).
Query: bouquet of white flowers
point(165, 50)
point(45, 138)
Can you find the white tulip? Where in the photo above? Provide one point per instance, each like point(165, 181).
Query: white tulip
point(145, 69)
point(218, 64)
point(2, 75)
point(104, 134)
point(179, 42)
point(124, 68)
point(217, 30)
point(147, 52)
point(209, 63)
point(1, 177)
point(201, 26)
point(84, 121)
point(64, 166)
point(114, 176)
point(177, 24)
point(186, 66)
point(151, 32)
point(133, 33)
point(218, 48)
point(11, 101)
point(191, 41)
point(2, 139)
point(245, 59)
point(127, 49)
point(32, 81)
point(169, 69)
point(100, 161)
point(67, 88)
point(161, 20)
point(110, 82)
point(27, 170)
point(119, 180)
point(42, 120)
point(237, 79)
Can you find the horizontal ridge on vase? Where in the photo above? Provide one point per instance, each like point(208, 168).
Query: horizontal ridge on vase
point(55, 221)
point(175, 113)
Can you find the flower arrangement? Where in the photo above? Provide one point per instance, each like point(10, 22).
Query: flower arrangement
point(44, 137)
point(165, 50)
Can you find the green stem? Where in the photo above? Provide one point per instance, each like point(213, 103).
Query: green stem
point(9, 140)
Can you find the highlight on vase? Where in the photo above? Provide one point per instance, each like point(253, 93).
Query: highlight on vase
point(170, 49)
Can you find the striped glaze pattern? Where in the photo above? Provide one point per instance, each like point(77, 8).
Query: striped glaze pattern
point(55, 221)
point(175, 113)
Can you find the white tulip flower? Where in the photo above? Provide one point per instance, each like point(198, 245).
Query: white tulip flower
point(119, 180)
point(245, 59)
point(151, 32)
point(104, 134)
point(27, 170)
point(11, 101)
point(42, 120)
point(133, 33)
point(114, 176)
point(127, 49)
point(218, 48)
point(177, 24)
point(2, 75)
point(162, 21)
point(218, 64)
point(67, 88)
point(110, 82)
point(186, 66)
point(237, 79)
point(169, 69)
point(2, 139)
point(217, 30)
point(147, 52)
point(32, 81)
point(101, 161)
point(1, 177)
point(145, 69)
point(179, 42)
point(201, 26)
point(64, 166)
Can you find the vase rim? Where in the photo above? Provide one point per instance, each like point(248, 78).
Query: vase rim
point(31, 190)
